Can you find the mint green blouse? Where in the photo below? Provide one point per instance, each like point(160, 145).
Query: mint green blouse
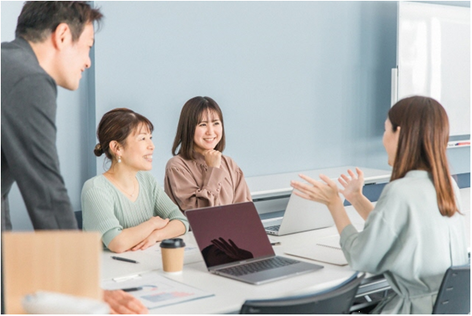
point(410, 242)
point(107, 210)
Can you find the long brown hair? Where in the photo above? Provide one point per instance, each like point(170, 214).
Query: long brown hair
point(422, 144)
point(190, 117)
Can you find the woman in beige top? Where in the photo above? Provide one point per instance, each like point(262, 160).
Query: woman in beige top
point(199, 175)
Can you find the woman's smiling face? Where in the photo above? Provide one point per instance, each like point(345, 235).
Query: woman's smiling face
point(208, 132)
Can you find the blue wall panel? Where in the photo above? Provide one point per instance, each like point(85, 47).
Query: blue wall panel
point(302, 85)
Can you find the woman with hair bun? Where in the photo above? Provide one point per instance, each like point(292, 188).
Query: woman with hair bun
point(125, 204)
point(416, 231)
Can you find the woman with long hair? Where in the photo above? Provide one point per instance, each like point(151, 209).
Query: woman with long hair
point(199, 175)
point(415, 231)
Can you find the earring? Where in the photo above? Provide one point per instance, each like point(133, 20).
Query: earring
point(119, 159)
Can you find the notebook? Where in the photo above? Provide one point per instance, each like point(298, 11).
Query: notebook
point(234, 244)
point(300, 215)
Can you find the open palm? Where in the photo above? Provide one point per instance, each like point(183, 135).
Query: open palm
point(352, 185)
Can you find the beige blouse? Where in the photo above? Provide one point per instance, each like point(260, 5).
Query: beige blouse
point(192, 184)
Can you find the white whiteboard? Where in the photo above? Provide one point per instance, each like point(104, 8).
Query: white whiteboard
point(433, 58)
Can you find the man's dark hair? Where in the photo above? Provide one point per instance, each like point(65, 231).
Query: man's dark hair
point(38, 19)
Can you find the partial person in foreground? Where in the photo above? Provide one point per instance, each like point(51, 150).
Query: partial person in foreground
point(126, 204)
point(51, 48)
point(199, 175)
point(416, 231)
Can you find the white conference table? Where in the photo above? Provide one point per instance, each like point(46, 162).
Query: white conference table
point(229, 295)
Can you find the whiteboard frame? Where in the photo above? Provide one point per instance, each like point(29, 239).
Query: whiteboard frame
point(427, 63)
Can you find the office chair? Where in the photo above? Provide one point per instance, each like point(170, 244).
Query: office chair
point(78, 217)
point(336, 300)
point(454, 292)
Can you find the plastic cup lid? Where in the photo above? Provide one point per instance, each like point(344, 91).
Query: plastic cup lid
point(173, 243)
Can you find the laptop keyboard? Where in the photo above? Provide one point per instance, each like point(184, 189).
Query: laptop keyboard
point(248, 268)
point(274, 228)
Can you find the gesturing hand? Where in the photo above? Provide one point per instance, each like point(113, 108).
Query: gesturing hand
point(231, 250)
point(353, 185)
point(326, 193)
point(212, 158)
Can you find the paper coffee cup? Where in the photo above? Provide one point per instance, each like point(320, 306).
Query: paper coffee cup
point(172, 252)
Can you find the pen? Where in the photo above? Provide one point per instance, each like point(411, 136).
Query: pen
point(131, 289)
point(124, 259)
point(278, 243)
point(455, 144)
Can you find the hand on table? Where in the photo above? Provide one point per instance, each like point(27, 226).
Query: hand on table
point(121, 302)
point(153, 237)
point(149, 241)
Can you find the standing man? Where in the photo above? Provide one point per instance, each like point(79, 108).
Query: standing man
point(52, 45)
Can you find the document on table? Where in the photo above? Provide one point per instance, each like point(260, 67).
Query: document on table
point(155, 290)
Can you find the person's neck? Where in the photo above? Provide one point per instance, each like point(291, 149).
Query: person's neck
point(123, 176)
point(197, 150)
point(422, 167)
point(197, 154)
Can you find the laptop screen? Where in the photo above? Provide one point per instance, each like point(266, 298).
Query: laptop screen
point(229, 233)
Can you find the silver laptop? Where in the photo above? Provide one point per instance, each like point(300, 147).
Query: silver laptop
point(234, 244)
point(300, 215)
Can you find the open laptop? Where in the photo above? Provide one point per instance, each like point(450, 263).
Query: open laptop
point(300, 215)
point(234, 244)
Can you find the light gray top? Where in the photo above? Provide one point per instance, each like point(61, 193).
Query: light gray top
point(107, 210)
point(407, 239)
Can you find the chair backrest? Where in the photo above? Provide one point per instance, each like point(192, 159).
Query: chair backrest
point(78, 217)
point(454, 292)
point(337, 300)
point(56, 261)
